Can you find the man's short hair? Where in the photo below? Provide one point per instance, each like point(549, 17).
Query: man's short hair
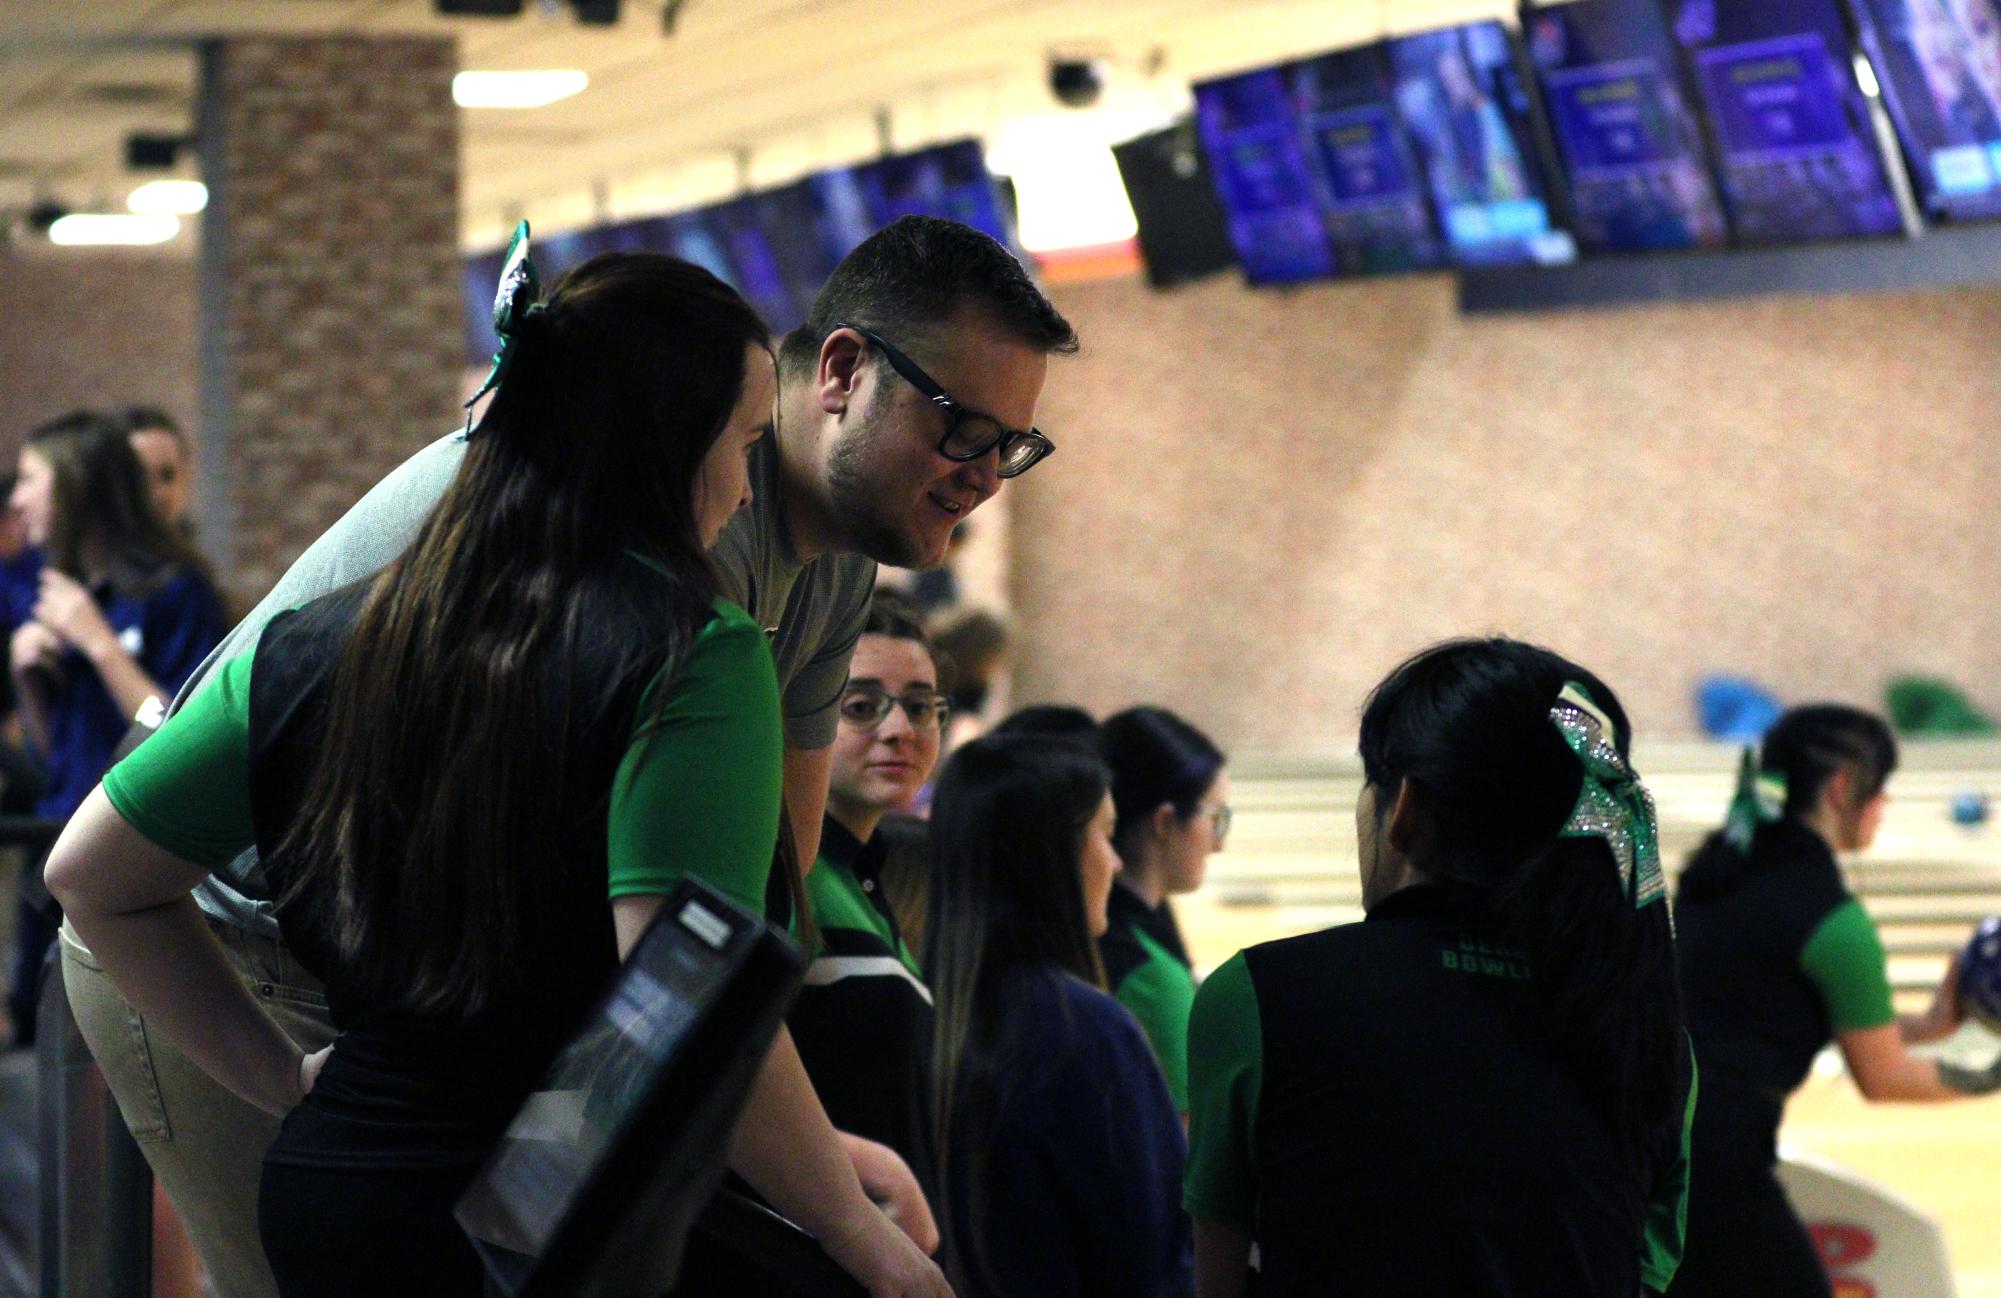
point(905, 280)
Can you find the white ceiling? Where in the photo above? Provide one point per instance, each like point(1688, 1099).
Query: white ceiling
point(762, 90)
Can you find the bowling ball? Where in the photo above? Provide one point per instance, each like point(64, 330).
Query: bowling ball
point(1980, 974)
point(1969, 807)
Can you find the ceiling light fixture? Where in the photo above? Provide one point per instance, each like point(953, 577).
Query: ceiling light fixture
point(90, 229)
point(529, 89)
point(168, 198)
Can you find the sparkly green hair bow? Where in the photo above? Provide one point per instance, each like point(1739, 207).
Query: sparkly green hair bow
point(1759, 799)
point(1612, 804)
point(520, 295)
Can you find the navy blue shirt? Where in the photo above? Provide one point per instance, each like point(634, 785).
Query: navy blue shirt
point(20, 585)
point(168, 626)
point(1080, 1174)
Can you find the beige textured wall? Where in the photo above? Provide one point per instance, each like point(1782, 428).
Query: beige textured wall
point(94, 327)
point(1263, 500)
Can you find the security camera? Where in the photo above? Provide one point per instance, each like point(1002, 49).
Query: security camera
point(1076, 83)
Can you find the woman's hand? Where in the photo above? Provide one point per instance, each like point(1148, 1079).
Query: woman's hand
point(67, 609)
point(889, 1181)
point(33, 648)
point(873, 1250)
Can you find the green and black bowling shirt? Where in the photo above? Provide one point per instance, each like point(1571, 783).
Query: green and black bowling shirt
point(1772, 968)
point(1147, 968)
point(863, 1019)
point(1378, 1104)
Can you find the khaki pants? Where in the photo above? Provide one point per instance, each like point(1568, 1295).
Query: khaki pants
point(205, 1145)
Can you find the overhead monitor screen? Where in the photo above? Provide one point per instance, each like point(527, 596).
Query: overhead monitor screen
point(1257, 158)
point(1799, 154)
point(760, 275)
point(1464, 105)
point(951, 181)
point(1629, 142)
point(1366, 176)
point(1939, 62)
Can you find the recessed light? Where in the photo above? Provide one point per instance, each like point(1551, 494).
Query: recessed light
point(82, 229)
point(168, 198)
point(530, 89)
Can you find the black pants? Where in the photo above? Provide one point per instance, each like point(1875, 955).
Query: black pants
point(335, 1234)
point(1744, 1239)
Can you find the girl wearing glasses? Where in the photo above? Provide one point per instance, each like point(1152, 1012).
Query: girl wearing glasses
point(863, 1019)
point(471, 780)
point(1173, 800)
point(1059, 1151)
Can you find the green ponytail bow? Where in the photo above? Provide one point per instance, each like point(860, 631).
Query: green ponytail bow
point(520, 294)
point(1612, 804)
point(1759, 799)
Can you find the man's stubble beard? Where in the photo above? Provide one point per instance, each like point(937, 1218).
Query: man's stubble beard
point(864, 517)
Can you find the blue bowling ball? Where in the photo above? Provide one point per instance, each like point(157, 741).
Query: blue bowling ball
point(1980, 974)
point(1969, 807)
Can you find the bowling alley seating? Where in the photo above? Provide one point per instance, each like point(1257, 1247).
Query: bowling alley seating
point(1289, 866)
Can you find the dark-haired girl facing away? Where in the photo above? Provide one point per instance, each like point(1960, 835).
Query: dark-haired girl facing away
point(1173, 801)
point(1777, 959)
point(1483, 1088)
point(124, 612)
point(471, 780)
point(1059, 1151)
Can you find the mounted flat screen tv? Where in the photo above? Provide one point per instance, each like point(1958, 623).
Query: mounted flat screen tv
point(1939, 62)
point(950, 181)
point(796, 225)
point(753, 255)
point(1257, 157)
point(1799, 158)
point(1366, 175)
point(1465, 105)
point(1630, 144)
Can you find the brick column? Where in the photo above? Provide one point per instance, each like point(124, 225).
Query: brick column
point(331, 337)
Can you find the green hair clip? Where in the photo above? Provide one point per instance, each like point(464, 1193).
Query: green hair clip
point(1612, 804)
point(519, 295)
point(1759, 799)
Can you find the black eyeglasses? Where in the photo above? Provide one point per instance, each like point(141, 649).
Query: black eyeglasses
point(1219, 819)
point(968, 433)
point(865, 706)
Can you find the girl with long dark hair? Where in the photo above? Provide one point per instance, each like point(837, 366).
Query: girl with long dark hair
point(1777, 959)
point(471, 780)
point(1484, 1086)
point(1059, 1151)
point(1173, 801)
point(124, 612)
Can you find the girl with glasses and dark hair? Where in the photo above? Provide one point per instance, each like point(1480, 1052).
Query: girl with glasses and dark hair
point(1059, 1151)
point(471, 779)
point(1482, 1088)
point(1173, 800)
point(863, 1019)
point(1777, 959)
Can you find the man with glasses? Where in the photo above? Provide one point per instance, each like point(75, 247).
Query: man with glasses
point(863, 1020)
point(904, 401)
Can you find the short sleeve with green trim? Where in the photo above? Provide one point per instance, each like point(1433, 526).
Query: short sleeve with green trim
point(1844, 958)
point(1161, 994)
point(187, 787)
point(1225, 1072)
point(698, 792)
point(1666, 1232)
